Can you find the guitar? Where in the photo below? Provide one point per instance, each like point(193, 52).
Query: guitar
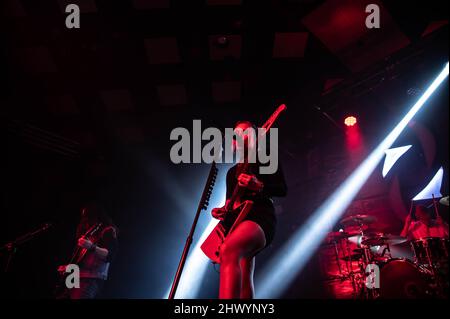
point(80, 252)
point(236, 210)
point(77, 257)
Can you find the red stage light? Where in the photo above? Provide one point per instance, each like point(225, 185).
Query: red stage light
point(350, 121)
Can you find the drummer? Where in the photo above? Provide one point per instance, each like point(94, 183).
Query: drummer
point(424, 225)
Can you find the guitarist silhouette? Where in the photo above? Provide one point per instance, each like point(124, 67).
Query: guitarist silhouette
point(95, 249)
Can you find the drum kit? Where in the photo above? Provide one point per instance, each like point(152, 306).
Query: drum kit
point(359, 248)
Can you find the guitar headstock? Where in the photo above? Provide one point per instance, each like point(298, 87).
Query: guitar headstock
point(274, 117)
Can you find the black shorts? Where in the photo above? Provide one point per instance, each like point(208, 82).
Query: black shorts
point(264, 216)
point(262, 213)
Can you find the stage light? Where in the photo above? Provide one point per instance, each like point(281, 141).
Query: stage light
point(392, 155)
point(350, 121)
point(433, 189)
point(281, 271)
point(354, 142)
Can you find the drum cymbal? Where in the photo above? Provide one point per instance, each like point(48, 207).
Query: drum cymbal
point(355, 230)
point(334, 237)
point(339, 235)
point(444, 201)
point(383, 239)
point(357, 220)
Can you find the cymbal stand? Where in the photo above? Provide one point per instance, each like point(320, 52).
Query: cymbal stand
point(366, 260)
point(336, 253)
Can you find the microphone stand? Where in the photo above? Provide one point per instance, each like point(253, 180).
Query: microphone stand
point(12, 246)
point(203, 204)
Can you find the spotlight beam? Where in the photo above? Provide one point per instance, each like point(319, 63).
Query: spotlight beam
point(292, 257)
point(196, 262)
point(195, 268)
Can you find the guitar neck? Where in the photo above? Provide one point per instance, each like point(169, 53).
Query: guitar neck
point(80, 252)
point(267, 125)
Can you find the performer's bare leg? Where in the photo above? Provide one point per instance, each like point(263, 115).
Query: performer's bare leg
point(247, 286)
point(244, 242)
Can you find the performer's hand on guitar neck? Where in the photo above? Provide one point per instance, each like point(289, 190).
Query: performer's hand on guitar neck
point(99, 251)
point(250, 182)
point(85, 243)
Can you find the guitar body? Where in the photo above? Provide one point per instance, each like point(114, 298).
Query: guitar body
point(211, 245)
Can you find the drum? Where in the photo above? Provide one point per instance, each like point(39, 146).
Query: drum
point(432, 251)
point(338, 259)
point(339, 263)
point(401, 279)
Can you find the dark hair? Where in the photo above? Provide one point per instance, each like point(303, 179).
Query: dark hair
point(95, 213)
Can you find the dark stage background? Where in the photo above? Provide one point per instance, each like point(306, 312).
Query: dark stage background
point(87, 113)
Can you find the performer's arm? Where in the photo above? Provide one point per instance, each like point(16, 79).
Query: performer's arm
point(109, 241)
point(267, 184)
point(101, 252)
point(406, 227)
point(250, 182)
